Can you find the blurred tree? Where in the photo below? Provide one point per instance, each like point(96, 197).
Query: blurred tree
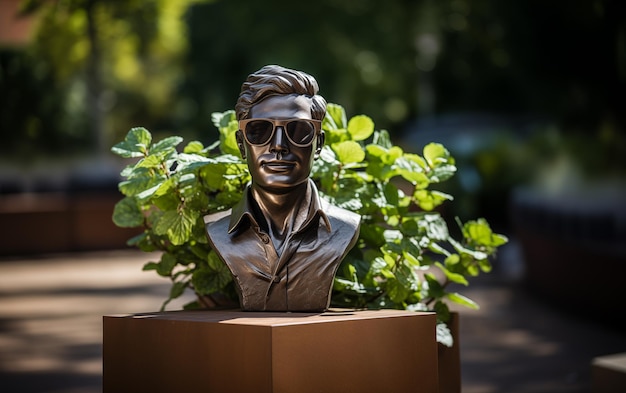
point(133, 63)
point(96, 68)
point(361, 52)
point(561, 62)
point(564, 59)
point(401, 59)
point(35, 112)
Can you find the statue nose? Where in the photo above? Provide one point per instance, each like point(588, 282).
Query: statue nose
point(279, 140)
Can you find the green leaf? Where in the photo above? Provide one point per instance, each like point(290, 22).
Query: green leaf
point(435, 154)
point(193, 305)
point(193, 147)
point(166, 265)
point(166, 144)
point(178, 288)
point(348, 152)
point(428, 200)
point(176, 225)
point(435, 226)
point(462, 300)
point(485, 265)
point(151, 161)
point(442, 310)
point(410, 227)
point(411, 171)
point(435, 289)
point(438, 249)
point(150, 266)
point(140, 240)
point(480, 232)
point(165, 202)
point(466, 251)
point(452, 259)
point(382, 138)
point(498, 240)
point(393, 154)
point(146, 194)
point(417, 160)
point(213, 176)
point(377, 265)
point(227, 125)
point(407, 277)
point(360, 127)
point(442, 173)
point(191, 162)
point(473, 270)
point(454, 277)
point(135, 144)
point(135, 185)
point(418, 179)
point(391, 193)
point(444, 336)
point(127, 214)
point(375, 150)
point(335, 117)
point(211, 276)
point(396, 291)
point(165, 188)
point(223, 119)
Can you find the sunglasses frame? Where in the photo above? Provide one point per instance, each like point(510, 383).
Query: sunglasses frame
point(317, 125)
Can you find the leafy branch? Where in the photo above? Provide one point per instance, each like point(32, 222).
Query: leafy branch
point(405, 257)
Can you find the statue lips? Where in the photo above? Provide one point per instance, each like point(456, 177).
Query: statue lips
point(278, 165)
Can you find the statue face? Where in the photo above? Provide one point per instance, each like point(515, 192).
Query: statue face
point(279, 165)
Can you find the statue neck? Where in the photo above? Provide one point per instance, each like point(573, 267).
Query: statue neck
point(282, 211)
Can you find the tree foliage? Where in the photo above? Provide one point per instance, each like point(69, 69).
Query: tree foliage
point(94, 67)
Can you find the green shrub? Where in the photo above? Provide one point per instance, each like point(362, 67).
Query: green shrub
point(405, 257)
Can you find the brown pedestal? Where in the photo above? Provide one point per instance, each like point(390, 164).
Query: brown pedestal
point(608, 373)
point(449, 359)
point(234, 351)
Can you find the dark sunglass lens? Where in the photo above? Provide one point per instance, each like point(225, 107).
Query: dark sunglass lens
point(301, 132)
point(259, 132)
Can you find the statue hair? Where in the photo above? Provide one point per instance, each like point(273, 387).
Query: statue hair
point(273, 80)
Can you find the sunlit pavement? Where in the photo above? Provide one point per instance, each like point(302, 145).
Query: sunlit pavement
point(51, 316)
point(51, 312)
point(517, 344)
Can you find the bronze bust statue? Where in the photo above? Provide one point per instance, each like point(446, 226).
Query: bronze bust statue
point(282, 242)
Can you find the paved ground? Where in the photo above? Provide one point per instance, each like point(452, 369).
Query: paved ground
point(51, 327)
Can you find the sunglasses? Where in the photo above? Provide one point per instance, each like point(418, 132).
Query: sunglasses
point(300, 132)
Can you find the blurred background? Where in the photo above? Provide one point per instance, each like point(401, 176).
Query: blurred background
point(527, 95)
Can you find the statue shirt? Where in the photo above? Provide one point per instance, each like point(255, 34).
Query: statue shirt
point(301, 277)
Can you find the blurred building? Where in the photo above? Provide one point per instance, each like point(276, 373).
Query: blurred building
point(15, 30)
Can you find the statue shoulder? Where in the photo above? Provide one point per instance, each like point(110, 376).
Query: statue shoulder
point(214, 217)
point(216, 228)
point(216, 224)
point(336, 213)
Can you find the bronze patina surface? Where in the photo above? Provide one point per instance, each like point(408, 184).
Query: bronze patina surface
point(281, 242)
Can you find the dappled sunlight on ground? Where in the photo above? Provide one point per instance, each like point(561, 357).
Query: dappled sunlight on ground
point(51, 316)
point(51, 312)
point(518, 343)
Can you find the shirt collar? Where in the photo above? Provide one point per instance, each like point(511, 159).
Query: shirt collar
point(244, 212)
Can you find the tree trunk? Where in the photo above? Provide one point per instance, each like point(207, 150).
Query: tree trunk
point(94, 83)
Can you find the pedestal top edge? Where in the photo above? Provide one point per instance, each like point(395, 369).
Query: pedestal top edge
point(239, 317)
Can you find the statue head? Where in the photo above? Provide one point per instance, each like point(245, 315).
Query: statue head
point(273, 80)
point(280, 116)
